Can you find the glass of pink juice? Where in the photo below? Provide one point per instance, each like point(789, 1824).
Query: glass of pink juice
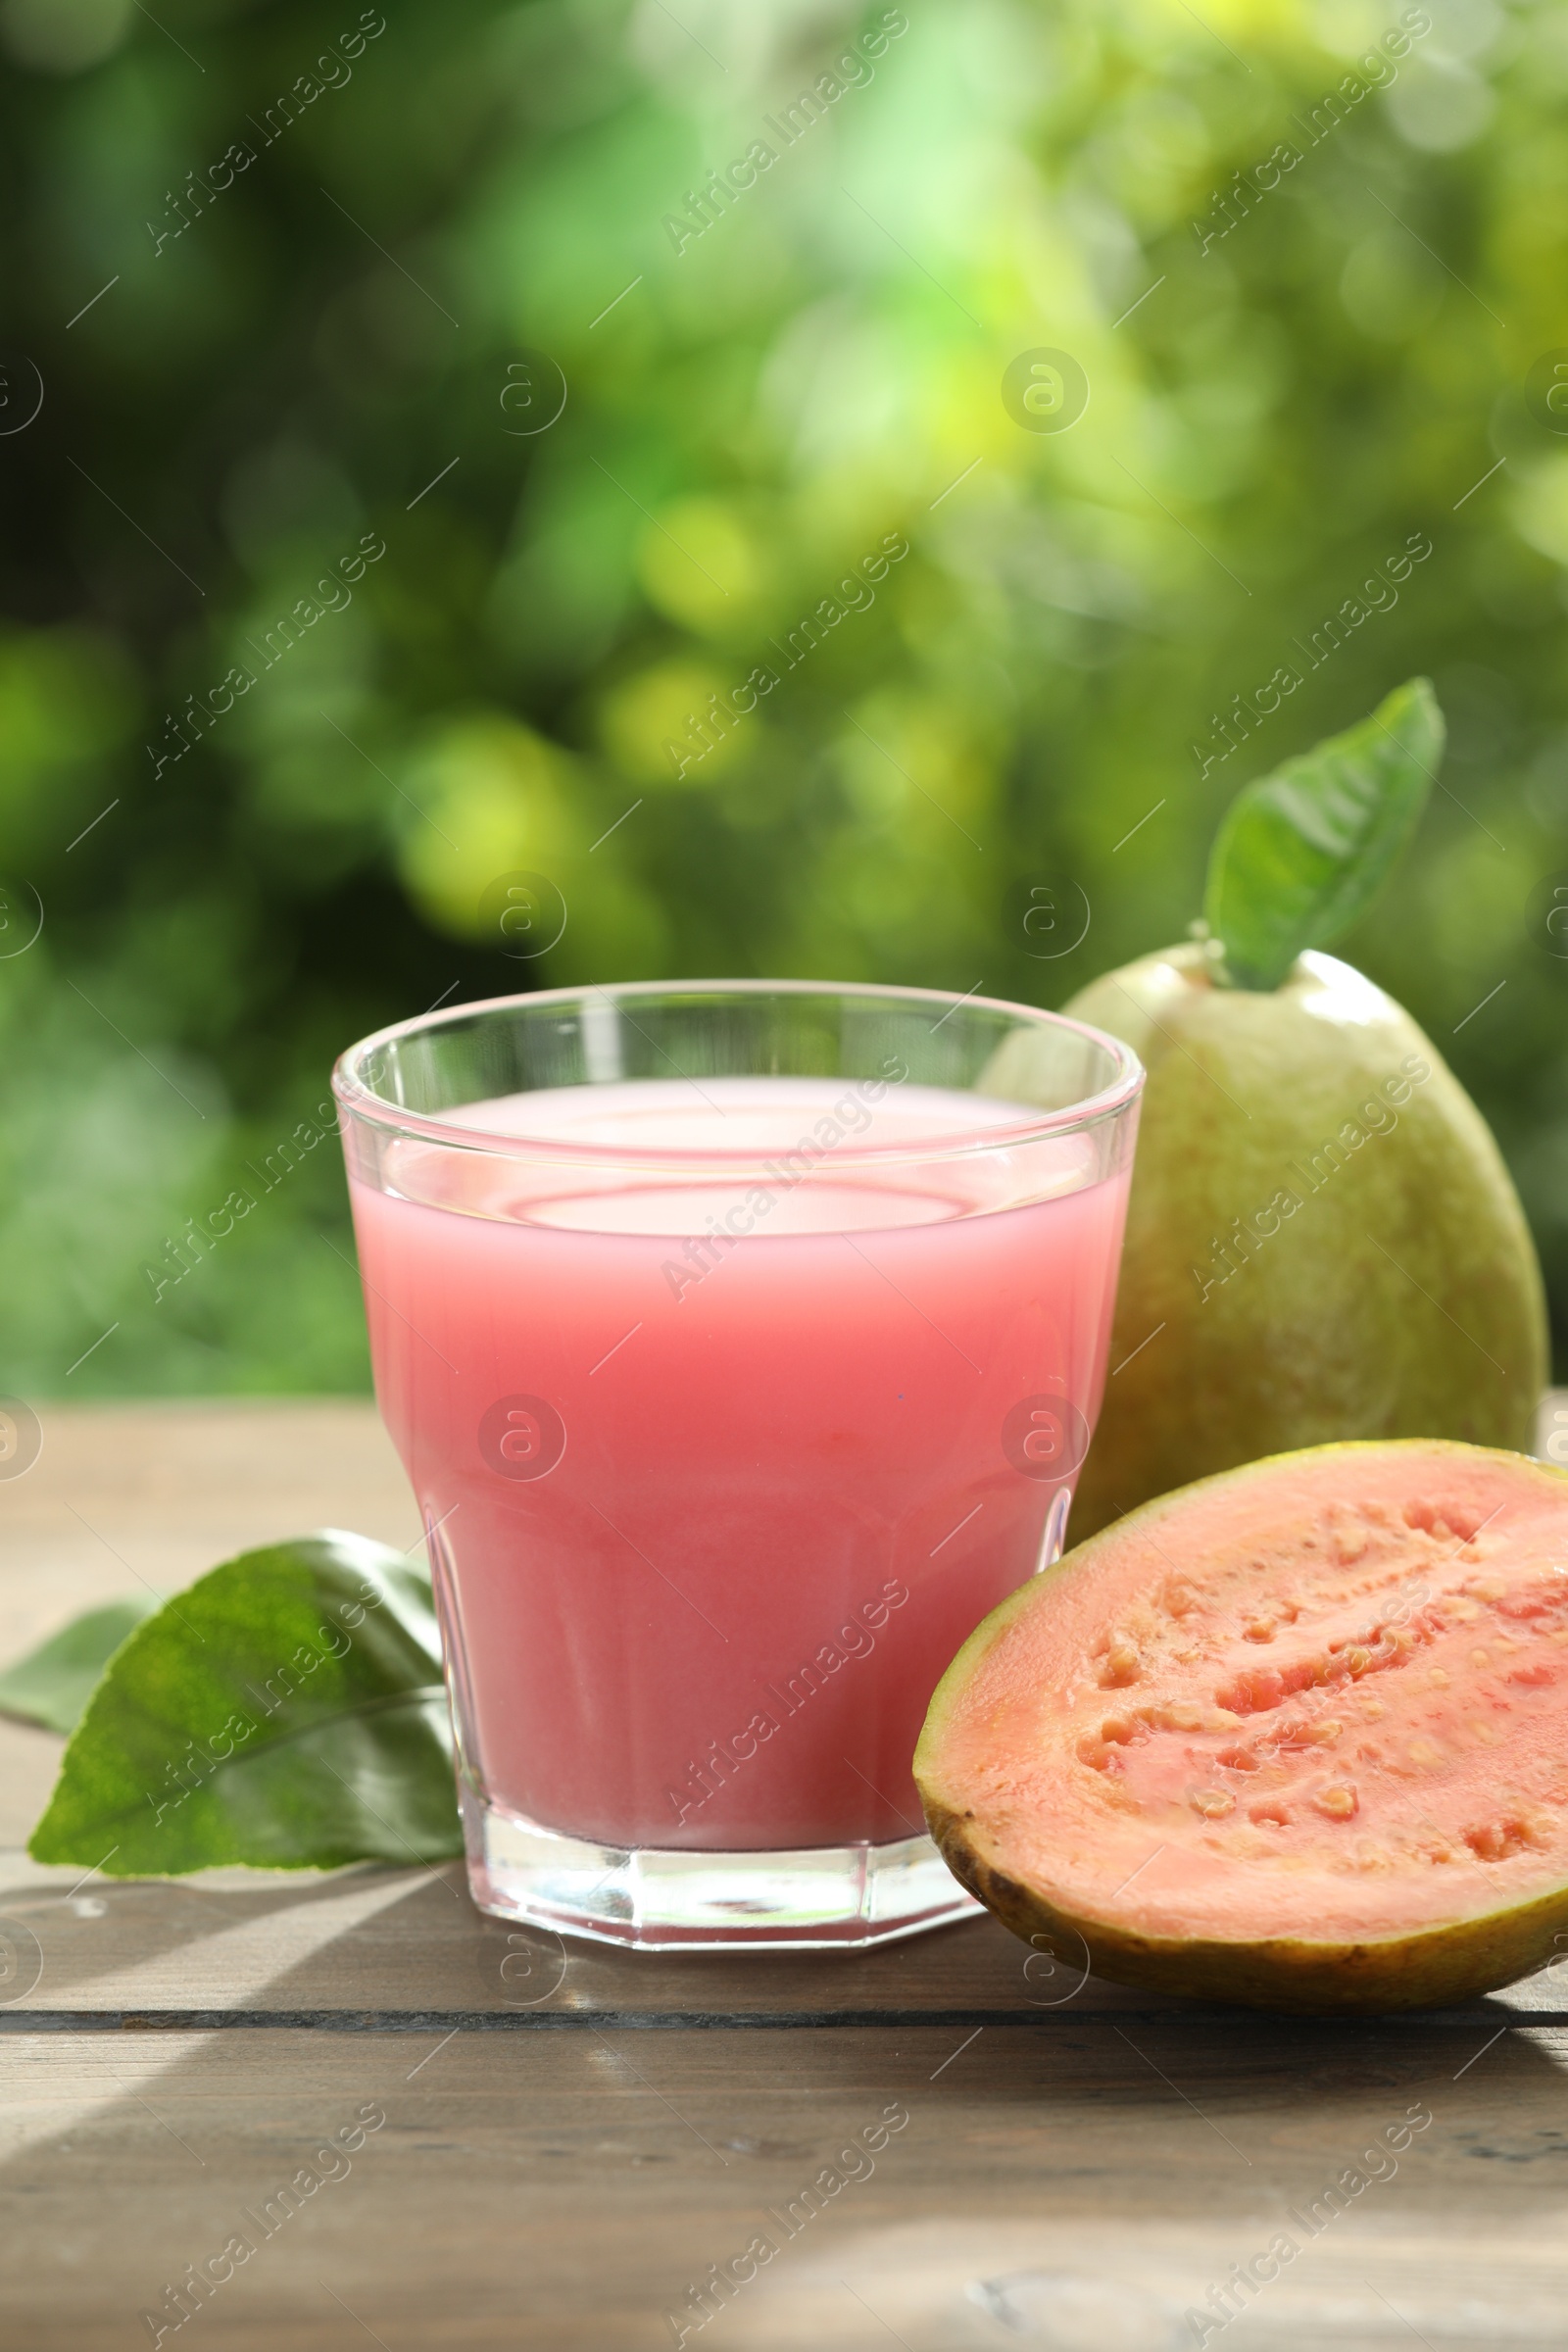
point(742, 1342)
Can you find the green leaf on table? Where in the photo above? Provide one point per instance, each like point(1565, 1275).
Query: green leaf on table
point(1302, 852)
point(53, 1683)
point(285, 1711)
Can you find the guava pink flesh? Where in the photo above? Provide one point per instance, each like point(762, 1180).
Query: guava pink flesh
point(1325, 1699)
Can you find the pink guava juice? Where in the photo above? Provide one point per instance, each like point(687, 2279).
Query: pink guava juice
point(722, 1461)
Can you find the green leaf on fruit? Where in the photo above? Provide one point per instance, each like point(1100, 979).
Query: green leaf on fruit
point(53, 1683)
point(1304, 852)
point(285, 1711)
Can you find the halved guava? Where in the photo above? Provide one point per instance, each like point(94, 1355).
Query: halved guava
point(1295, 1737)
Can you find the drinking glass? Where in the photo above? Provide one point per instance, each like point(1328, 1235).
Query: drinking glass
point(742, 1342)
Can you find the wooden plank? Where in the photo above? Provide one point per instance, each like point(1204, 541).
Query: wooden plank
point(1084, 2188)
point(385, 1943)
point(123, 1496)
point(127, 1497)
point(388, 1940)
point(160, 1492)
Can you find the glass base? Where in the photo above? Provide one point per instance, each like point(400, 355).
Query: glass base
point(812, 1898)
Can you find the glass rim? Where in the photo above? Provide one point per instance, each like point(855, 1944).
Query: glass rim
point(361, 1101)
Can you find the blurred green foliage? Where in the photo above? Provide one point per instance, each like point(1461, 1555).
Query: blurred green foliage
point(343, 341)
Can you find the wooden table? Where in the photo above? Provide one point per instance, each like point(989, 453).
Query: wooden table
point(565, 2155)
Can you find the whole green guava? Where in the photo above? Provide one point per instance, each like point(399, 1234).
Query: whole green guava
point(1322, 1240)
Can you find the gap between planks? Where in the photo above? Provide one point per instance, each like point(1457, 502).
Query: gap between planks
point(794, 2021)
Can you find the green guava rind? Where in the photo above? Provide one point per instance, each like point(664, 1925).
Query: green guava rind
point(1429, 1970)
point(1432, 1968)
point(1402, 1298)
